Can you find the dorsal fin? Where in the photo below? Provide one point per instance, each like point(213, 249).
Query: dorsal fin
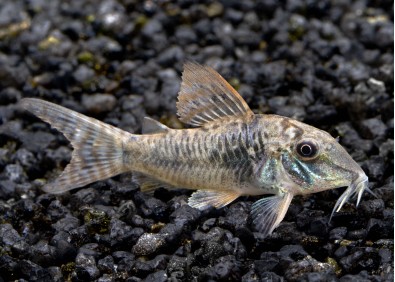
point(206, 96)
point(151, 126)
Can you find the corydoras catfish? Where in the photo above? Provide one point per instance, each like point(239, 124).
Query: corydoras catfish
point(228, 152)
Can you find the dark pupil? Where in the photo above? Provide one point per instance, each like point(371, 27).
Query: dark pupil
point(306, 150)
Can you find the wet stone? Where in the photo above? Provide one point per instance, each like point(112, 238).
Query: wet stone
point(85, 267)
point(373, 207)
point(9, 95)
point(7, 267)
point(151, 28)
point(44, 254)
point(148, 244)
point(185, 215)
point(338, 233)
point(99, 103)
point(270, 276)
point(83, 74)
point(376, 229)
point(65, 251)
point(226, 268)
point(122, 234)
point(298, 269)
point(7, 188)
point(375, 167)
point(84, 196)
point(32, 271)
point(67, 223)
point(159, 276)
point(373, 128)
point(106, 265)
point(56, 273)
point(341, 252)
point(155, 208)
point(11, 240)
point(15, 173)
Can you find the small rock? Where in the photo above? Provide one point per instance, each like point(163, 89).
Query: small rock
point(85, 268)
point(122, 234)
point(185, 215)
point(373, 208)
point(151, 28)
point(99, 103)
point(337, 233)
point(148, 244)
point(44, 254)
point(15, 173)
point(106, 265)
point(9, 95)
point(32, 271)
point(159, 276)
point(373, 128)
point(83, 74)
point(300, 268)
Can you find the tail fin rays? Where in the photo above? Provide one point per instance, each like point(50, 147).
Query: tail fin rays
point(98, 147)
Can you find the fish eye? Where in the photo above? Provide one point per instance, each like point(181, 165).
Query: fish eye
point(307, 149)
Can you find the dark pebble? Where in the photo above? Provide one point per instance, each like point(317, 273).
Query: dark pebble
point(31, 271)
point(375, 167)
point(44, 254)
point(155, 208)
point(373, 207)
point(373, 128)
point(99, 103)
point(159, 276)
point(15, 173)
point(148, 244)
point(9, 95)
point(86, 268)
point(185, 216)
point(106, 265)
point(122, 234)
point(338, 233)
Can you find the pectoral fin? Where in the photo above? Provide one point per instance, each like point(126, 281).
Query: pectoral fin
point(204, 199)
point(267, 213)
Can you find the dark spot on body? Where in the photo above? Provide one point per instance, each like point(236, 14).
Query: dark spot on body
point(177, 149)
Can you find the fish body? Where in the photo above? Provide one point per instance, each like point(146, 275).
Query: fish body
point(230, 152)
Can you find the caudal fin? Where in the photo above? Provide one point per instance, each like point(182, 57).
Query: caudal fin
point(98, 147)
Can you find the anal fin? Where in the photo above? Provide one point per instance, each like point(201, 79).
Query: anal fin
point(149, 184)
point(267, 213)
point(204, 199)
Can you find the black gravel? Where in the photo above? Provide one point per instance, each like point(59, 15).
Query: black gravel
point(327, 63)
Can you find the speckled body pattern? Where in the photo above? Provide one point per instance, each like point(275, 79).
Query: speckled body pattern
point(230, 155)
point(230, 152)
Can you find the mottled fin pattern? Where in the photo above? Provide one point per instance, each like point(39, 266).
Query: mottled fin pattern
point(98, 147)
point(206, 96)
point(267, 213)
point(204, 199)
point(149, 184)
point(151, 126)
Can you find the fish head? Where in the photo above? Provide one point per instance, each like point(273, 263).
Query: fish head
point(315, 161)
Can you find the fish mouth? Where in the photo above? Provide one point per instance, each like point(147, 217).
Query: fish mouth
point(356, 189)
